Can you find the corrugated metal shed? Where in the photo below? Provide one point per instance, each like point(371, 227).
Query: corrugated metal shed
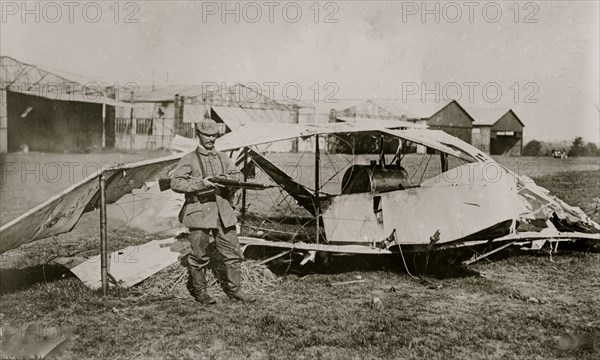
point(368, 109)
point(393, 108)
point(415, 108)
point(235, 117)
point(336, 104)
point(387, 124)
point(53, 110)
point(36, 80)
point(160, 93)
point(396, 107)
point(365, 108)
point(234, 95)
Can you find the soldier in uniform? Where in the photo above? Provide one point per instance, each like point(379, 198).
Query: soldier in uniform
point(207, 212)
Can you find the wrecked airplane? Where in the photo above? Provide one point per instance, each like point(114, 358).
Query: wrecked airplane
point(389, 198)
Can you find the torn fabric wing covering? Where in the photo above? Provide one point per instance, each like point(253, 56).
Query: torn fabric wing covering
point(255, 134)
point(423, 137)
point(134, 175)
point(133, 264)
point(384, 124)
point(60, 213)
point(57, 215)
point(435, 138)
point(304, 197)
point(538, 204)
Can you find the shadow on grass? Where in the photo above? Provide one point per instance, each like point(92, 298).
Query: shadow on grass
point(444, 264)
point(591, 246)
point(440, 265)
point(12, 280)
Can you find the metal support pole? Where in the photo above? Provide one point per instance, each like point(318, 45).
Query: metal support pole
point(131, 125)
point(162, 134)
point(317, 182)
point(3, 121)
point(103, 236)
point(103, 125)
point(444, 160)
point(243, 212)
point(381, 153)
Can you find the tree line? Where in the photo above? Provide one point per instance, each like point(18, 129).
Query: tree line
point(578, 148)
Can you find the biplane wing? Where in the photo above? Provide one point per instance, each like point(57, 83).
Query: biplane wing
point(435, 138)
point(60, 213)
point(258, 134)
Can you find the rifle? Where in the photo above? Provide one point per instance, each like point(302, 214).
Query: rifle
point(240, 184)
point(165, 184)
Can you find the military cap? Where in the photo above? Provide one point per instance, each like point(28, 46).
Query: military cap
point(207, 127)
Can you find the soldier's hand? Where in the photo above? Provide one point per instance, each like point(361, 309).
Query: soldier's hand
point(211, 184)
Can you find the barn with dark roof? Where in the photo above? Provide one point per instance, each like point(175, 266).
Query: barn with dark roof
point(497, 132)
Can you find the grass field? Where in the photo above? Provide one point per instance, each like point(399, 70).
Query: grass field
point(518, 307)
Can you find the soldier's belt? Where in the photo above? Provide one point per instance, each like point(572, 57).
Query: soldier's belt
point(203, 197)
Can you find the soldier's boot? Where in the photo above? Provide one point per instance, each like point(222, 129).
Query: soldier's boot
point(204, 298)
point(241, 296)
point(196, 285)
point(231, 284)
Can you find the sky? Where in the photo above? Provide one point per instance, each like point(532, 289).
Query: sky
point(540, 59)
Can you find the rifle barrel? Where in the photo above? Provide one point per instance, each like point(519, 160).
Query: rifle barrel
point(165, 184)
point(240, 184)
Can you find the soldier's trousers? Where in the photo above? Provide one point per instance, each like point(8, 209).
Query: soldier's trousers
point(228, 247)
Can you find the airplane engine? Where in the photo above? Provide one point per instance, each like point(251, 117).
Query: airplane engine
point(369, 178)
